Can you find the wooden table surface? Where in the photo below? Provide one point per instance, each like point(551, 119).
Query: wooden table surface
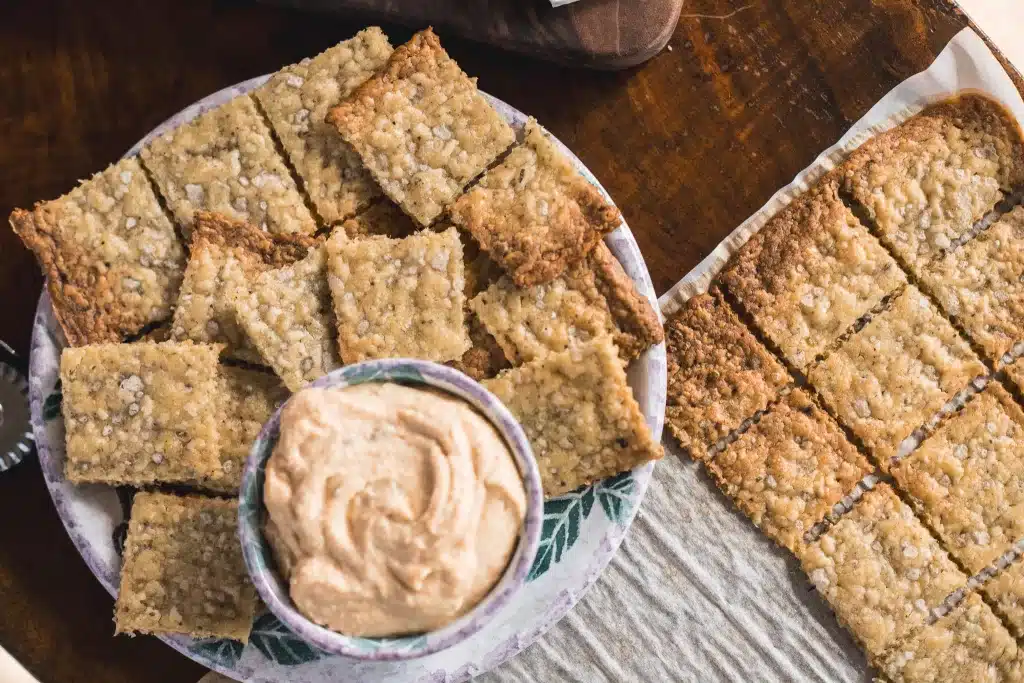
point(688, 144)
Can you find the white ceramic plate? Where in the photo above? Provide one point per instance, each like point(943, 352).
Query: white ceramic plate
point(581, 531)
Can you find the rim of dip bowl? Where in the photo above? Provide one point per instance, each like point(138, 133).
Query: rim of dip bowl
point(262, 567)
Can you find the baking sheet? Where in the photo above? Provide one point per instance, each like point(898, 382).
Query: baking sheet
point(966, 64)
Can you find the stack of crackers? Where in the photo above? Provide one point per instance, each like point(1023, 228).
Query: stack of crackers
point(850, 381)
point(366, 203)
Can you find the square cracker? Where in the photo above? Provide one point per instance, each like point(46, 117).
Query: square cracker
point(395, 298)
point(981, 284)
point(533, 213)
point(788, 470)
point(422, 128)
point(967, 479)
point(579, 414)
point(969, 644)
point(1006, 591)
point(225, 161)
point(246, 400)
point(880, 570)
point(224, 254)
point(183, 569)
point(112, 260)
point(592, 298)
point(140, 413)
point(894, 374)
point(286, 312)
point(811, 273)
point(718, 373)
point(927, 182)
point(296, 100)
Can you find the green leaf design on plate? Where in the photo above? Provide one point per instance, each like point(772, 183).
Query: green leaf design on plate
point(563, 517)
point(362, 375)
point(220, 651)
point(616, 496)
point(280, 645)
point(407, 373)
point(52, 404)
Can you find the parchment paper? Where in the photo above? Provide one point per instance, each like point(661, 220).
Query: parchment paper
point(696, 593)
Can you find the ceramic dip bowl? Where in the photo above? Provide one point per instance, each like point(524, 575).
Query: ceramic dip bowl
point(272, 587)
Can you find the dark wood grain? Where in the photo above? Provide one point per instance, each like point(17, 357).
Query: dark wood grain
point(690, 144)
point(607, 34)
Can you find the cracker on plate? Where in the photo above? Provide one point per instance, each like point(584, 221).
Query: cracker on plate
point(718, 373)
point(422, 128)
point(927, 182)
point(788, 470)
point(810, 273)
point(1006, 591)
point(395, 298)
point(968, 644)
point(183, 569)
point(533, 213)
point(893, 375)
point(246, 400)
point(592, 298)
point(880, 570)
point(296, 100)
point(286, 312)
point(140, 413)
point(579, 414)
point(967, 479)
point(225, 161)
point(224, 254)
point(112, 260)
point(981, 284)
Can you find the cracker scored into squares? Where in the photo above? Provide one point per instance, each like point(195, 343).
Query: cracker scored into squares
point(811, 273)
point(927, 182)
point(399, 298)
point(967, 479)
point(981, 284)
point(286, 313)
point(1006, 591)
point(246, 400)
point(112, 260)
point(594, 297)
point(718, 373)
point(579, 414)
point(224, 254)
point(422, 128)
point(296, 100)
point(383, 218)
point(880, 570)
point(534, 214)
point(224, 161)
point(893, 375)
point(140, 413)
point(787, 471)
point(183, 569)
point(969, 644)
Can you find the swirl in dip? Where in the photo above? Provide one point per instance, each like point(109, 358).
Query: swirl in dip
point(392, 510)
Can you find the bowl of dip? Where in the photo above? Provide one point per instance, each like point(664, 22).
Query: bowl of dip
point(390, 509)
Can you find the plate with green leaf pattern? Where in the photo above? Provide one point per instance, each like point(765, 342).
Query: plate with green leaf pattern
point(581, 531)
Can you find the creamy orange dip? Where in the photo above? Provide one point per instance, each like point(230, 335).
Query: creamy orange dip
point(392, 510)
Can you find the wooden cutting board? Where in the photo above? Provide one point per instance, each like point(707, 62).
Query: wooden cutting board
point(604, 34)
